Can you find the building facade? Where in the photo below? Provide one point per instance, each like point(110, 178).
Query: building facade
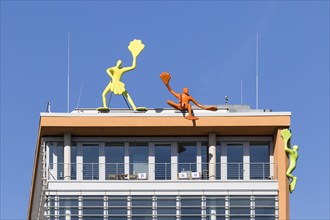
point(229, 164)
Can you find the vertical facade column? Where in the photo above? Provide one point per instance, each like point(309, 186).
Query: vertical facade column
point(281, 162)
point(212, 156)
point(67, 156)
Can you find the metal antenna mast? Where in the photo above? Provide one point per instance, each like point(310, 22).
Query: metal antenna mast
point(257, 73)
point(241, 92)
point(68, 72)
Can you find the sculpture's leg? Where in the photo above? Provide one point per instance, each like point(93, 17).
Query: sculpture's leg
point(190, 116)
point(104, 96)
point(293, 183)
point(174, 105)
point(129, 99)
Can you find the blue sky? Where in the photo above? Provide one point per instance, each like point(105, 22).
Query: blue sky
point(209, 47)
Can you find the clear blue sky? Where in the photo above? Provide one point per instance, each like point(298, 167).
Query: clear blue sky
point(206, 46)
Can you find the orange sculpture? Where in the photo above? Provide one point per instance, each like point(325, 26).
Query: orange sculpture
point(183, 98)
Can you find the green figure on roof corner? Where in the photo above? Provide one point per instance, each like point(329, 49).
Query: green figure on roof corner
point(293, 157)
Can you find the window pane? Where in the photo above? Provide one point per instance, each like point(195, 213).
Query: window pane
point(166, 206)
point(91, 162)
point(235, 161)
point(60, 161)
point(215, 206)
point(117, 206)
point(114, 158)
point(74, 161)
point(68, 206)
point(239, 206)
point(187, 156)
point(205, 158)
point(138, 156)
point(93, 207)
point(163, 161)
point(264, 206)
point(190, 207)
point(259, 160)
point(141, 207)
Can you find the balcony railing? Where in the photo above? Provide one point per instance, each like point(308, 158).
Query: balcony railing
point(161, 171)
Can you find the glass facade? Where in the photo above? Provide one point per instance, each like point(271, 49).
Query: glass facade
point(131, 161)
point(161, 207)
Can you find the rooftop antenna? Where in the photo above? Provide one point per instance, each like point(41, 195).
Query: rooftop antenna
point(257, 73)
point(82, 85)
point(68, 72)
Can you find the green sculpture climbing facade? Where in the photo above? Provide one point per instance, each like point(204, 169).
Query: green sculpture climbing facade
point(293, 157)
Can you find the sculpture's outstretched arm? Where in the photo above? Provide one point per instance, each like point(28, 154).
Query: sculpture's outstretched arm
point(135, 47)
point(126, 69)
point(196, 103)
point(171, 91)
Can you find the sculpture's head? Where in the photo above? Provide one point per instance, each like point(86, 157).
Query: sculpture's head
point(295, 147)
point(185, 91)
point(119, 64)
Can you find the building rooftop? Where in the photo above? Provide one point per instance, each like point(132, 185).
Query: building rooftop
point(223, 110)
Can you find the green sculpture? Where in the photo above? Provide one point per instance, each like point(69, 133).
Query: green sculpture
point(293, 156)
point(116, 86)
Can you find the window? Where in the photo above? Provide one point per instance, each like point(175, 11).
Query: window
point(68, 206)
point(239, 207)
point(74, 161)
point(90, 162)
point(259, 160)
point(264, 207)
point(117, 207)
point(187, 152)
point(215, 208)
point(60, 160)
point(235, 161)
point(163, 161)
point(141, 207)
point(138, 158)
point(205, 158)
point(93, 207)
point(114, 159)
point(191, 207)
point(166, 207)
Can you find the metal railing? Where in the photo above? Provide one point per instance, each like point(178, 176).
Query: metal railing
point(161, 171)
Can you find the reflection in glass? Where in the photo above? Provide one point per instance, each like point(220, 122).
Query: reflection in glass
point(215, 206)
point(205, 158)
point(60, 161)
point(259, 161)
point(187, 152)
point(239, 207)
point(138, 158)
point(114, 159)
point(235, 161)
point(142, 207)
point(117, 207)
point(163, 161)
point(68, 206)
point(166, 207)
point(73, 161)
point(91, 162)
point(264, 206)
point(93, 207)
point(191, 207)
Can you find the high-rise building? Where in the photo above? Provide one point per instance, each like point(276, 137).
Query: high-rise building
point(229, 164)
